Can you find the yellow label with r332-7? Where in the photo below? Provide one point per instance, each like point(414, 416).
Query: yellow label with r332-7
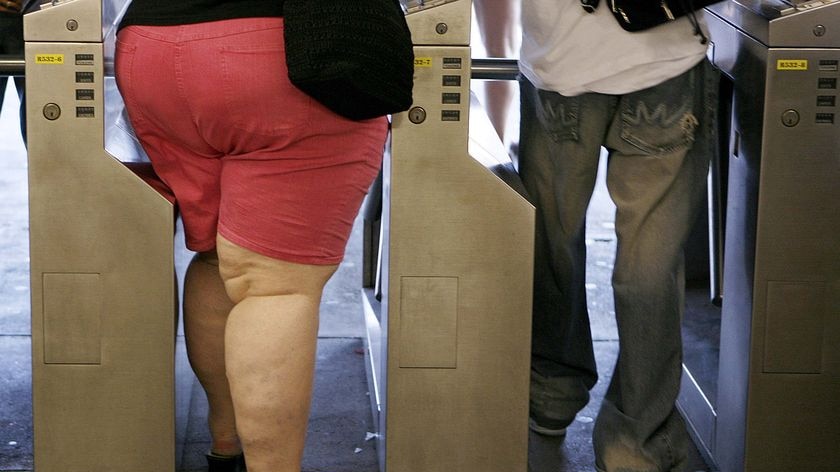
point(792, 64)
point(49, 59)
point(422, 62)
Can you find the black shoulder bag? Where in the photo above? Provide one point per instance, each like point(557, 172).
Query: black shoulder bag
point(354, 56)
point(639, 15)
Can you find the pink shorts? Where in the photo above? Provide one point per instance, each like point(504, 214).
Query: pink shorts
point(246, 154)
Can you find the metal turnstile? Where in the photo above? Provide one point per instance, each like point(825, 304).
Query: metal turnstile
point(102, 269)
point(771, 399)
point(448, 273)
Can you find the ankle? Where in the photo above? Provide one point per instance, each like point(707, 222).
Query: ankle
point(226, 448)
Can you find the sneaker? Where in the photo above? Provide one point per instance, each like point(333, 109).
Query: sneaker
point(544, 430)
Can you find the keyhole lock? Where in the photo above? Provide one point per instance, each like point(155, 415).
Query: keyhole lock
point(790, 118)
point(417, 115)
point(52, 111)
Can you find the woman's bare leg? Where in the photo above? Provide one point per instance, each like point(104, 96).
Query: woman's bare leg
point(270, 343)
point(206, 310)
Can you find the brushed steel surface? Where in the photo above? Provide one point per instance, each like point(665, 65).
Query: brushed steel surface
point(448, 216)
point(778, 24)
point(777, 403)
point(95, 225)
point(50, 23)
point(450, 222)
point(11, 65)
point(425, 23)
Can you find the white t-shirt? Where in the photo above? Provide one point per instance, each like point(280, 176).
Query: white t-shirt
point(569, 51)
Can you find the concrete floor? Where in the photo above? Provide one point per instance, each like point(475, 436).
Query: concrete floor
point(340, 422)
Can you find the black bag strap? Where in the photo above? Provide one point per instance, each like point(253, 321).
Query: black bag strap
point(589, 5)
point(639, 15)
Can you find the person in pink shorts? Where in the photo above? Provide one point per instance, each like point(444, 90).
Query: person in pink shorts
point(268, 183)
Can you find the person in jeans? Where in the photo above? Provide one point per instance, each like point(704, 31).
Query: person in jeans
point(268, 182)
point(645, 97)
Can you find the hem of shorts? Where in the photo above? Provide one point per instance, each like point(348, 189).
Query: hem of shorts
point(200, 247)
point(274, 254)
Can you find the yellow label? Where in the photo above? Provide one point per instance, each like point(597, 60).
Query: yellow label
point(422, 62)
point(792, 64)
point(49, 59)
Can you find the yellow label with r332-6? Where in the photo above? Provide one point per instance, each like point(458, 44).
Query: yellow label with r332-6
point(792, 64)
point(49, 59)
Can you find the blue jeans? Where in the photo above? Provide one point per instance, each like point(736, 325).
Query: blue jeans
point(659, 142)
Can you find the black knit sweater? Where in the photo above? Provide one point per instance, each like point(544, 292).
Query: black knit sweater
point(180, 12)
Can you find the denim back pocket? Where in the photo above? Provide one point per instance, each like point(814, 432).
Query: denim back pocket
point(660, 119)
point(559, 115)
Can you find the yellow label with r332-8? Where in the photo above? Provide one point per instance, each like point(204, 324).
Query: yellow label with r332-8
point(49, 59)
point(792, 64)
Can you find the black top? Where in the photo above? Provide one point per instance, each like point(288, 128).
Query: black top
point(180, 12)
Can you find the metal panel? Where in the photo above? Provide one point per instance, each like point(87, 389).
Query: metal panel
point(79, 21)
point(794, 329)
point(780, 23)
point(72, 319)
point(449, 317)
point(428, 323)
point(796, 242)
point(449, 216)
point(101, 246)
point(439, 22)
point(777, 404)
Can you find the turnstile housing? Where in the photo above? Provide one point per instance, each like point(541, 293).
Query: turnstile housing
point(102, 269)
point(449, 315)
point(778, 392)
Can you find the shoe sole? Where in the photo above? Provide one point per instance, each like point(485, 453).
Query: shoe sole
point(533, 426)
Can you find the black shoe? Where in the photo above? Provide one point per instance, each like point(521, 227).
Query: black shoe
point(218, 463)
